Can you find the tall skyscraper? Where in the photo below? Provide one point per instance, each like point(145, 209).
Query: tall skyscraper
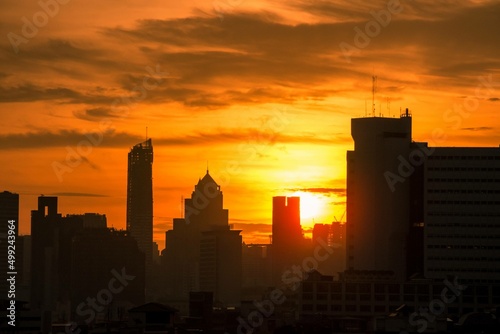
point(202, 252)
point(287, 246)
point(140, 197)
point(9, 217)
point(377, 217)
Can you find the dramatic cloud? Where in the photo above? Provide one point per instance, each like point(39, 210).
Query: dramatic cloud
point(71, 194)
point(202, 81)
point(107, 137)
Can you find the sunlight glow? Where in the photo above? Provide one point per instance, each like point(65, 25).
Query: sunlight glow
point(311, 206)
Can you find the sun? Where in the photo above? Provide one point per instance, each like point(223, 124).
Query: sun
point(311, 206)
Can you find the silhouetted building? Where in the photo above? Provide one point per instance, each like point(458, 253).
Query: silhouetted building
point(9, 221)
point(201, 305)
point(365, 294)
point(106, 265)
point(205, 207)
point(181, 261)
point(377, 216)
point(220, 265)
point(201, 251)
point(94, 220)
point(140, 197)
point(256, 260)
point(153, 318)
point(51, 239)
point(23, 260)
point(332, 236)
point(462, 213)
point(287, 239)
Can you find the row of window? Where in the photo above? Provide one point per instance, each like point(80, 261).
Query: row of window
point(464, 236)
point(461, 247)
point(462, 225)
point(465, 214)
point(466, 270)
point(323, 300)
point(464, 202)
point(379, 290)
point(463, 191)
point(348, 308)
point(464, 169)
point(464, 157)
point(465, 259)
point(463, 180)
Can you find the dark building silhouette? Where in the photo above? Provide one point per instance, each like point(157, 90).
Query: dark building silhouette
point(51, 239)
point(422, 229)
point(53, 258)
point(140, 197)
point(9, 221)
point(201, 305)
point(462, 213)
point(205, 207)
point(377, 217)
point(287, 240)
point(153, 318)
point(418, 210)
point(23, 260)
point(221, 265)
point(107, 265)
point(257, 266)
point(332, 236)
point(202, 252)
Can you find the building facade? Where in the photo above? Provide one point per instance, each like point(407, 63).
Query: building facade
point(140, 197)
point(462, 213)
point(202, 252)
point(288, 246)
point(377, 215)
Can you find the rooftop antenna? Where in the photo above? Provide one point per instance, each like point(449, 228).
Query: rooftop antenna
point(374, 84)
point(146, 133)
point(207, 166)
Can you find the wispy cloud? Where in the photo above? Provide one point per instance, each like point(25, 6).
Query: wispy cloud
point(112, 138)
point(479, 128)
point(74, 194)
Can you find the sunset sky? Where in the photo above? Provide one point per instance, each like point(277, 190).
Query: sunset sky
point(262, 90)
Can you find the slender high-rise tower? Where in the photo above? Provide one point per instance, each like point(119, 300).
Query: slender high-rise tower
point(140, 196)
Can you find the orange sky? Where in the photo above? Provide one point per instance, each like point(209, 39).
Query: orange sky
point(263, 90)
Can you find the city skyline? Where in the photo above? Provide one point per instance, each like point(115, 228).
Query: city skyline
point(267, 95)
